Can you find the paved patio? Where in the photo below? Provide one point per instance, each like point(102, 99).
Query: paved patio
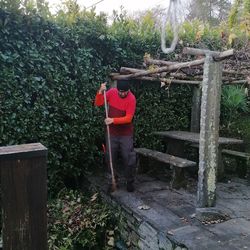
point(173, 212)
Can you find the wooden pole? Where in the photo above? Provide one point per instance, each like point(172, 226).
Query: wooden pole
point(24, 196)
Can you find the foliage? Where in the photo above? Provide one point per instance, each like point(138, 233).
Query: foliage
point(47, 88)
point(160, 109)
point(50, 71)
point(239, 19)
point(78, 222)
point(197, 34)
point(241, 129)
point(234, 102)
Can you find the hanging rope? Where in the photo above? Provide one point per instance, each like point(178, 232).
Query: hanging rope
point(171, 17)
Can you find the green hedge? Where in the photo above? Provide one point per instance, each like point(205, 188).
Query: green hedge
point(49, 75)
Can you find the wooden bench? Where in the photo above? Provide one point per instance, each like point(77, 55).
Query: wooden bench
point(239, 156)
point(175, 162)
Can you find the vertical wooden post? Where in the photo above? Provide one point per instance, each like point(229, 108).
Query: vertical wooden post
point(209, 132)
point(24, 196)
point(196, 110)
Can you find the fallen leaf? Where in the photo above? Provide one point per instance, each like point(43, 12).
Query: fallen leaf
point(170, 232)
point(94, 197)
point(144, 207)
point(111, 242)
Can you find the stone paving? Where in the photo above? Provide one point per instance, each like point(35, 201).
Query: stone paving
point(173, 212)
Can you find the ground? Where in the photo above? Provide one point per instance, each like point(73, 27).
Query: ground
point(174, 212)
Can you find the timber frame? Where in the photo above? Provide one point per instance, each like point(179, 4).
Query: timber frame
point(207, 75)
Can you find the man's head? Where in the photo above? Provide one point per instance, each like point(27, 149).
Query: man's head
point(123, 88)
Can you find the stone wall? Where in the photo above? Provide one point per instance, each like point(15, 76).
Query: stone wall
point(137, 233)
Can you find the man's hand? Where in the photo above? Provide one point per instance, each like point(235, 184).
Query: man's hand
point(102, 88)
point(108, 121)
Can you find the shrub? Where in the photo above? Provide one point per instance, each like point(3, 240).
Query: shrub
point(78, 222)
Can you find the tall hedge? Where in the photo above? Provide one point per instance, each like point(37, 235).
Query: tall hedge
point(49, 75)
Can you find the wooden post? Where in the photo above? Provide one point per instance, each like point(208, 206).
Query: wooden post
point(209, 132)
point(24, 196)
point(196, 110)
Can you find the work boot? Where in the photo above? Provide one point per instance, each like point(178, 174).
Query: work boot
point(130, 186)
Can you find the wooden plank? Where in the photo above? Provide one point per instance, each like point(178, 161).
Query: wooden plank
point(236, 153)
point(23, 151)
point(194, 137)
point(165, 158)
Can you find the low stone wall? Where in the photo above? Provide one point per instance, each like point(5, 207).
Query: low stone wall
point(137, 233)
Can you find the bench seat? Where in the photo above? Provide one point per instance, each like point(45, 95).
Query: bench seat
point(240, 156)
point(178, 164)
point(165, 158)
point(236, 153)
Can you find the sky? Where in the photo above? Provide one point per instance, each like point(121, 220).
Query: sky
point(109, 5)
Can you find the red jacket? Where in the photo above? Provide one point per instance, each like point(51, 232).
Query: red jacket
point(121, 109)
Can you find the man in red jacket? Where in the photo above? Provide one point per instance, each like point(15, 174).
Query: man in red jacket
point(122, 104)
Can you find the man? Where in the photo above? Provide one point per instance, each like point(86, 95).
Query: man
point(122, 104)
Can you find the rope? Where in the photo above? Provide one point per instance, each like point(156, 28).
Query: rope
point(172, 18)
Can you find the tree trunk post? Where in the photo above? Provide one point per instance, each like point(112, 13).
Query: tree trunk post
point(209, 132)
point(24, 196)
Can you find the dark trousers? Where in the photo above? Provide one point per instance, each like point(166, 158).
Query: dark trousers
point(123, 146)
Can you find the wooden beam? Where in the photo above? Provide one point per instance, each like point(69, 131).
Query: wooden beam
point(158, 62)
point(231, 72)
point(236, 82)
point(216, 54)
point(183, 80)
point(173, 67)
point(169, 81)
point(199, 52)
point(167, 63)
point(125, 70)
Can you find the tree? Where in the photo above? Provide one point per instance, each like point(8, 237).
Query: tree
point(11, 5)
point(211, 11)
point(69, 12)
point(239, 17)
point(27, 7)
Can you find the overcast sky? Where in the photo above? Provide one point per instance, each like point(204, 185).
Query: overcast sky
point(109, 5)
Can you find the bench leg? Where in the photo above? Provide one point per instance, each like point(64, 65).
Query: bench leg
point(178, 179)
point(142, 164)
point(248, 170)
point(241, 167)
point(220, 166)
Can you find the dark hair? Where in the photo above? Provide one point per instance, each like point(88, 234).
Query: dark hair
point(123, 85)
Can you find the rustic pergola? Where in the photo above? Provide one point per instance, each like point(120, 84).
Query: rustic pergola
point(207, 75)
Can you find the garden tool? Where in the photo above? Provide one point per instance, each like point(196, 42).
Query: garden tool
point(109, 146)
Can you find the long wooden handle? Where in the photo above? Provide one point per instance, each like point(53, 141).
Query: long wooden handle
point(108, 138)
